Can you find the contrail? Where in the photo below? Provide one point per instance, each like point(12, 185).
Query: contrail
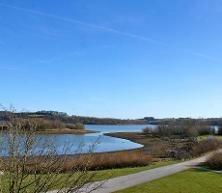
point(75, 21)
point(108, 29)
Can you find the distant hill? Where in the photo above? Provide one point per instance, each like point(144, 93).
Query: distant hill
point(65, 118)
point(73, 119)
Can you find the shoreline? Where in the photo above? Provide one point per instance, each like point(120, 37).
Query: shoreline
point(131, 136)
point(66, 131)
point(151, 145)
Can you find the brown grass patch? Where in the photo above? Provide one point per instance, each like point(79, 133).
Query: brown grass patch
point(65, 131)
point(110, 160)
point(84, 162)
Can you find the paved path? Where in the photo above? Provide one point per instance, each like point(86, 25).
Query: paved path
point(123, 182)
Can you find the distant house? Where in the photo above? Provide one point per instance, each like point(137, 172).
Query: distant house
point(214, 129)
point(149, 119)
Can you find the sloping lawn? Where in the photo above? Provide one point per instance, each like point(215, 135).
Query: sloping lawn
point(190, 181)
point(107, 174)
point(205, 137)
point(99, 175)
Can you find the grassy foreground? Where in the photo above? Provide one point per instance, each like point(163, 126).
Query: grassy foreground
point(107, 174)
point(190, 181)
point(99, 175)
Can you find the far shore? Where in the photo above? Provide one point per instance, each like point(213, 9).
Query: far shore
point(66, 131)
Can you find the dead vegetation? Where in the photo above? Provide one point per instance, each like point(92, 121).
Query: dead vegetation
point(215, 161)
point(29, 168)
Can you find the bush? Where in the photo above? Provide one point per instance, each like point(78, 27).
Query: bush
point(206, 146)
point(160, 150)
point(179, 129)
point(78, 126)
point(215, 161)
point(23, 156)
point(44, 124)
point(205, 129)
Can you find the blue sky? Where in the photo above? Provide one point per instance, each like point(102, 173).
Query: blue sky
point(112, 58)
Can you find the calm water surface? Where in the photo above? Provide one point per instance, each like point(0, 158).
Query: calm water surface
point(98, 142)
point(93, 142)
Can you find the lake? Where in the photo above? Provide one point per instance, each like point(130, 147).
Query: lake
point(97, 142)
point(92, 142)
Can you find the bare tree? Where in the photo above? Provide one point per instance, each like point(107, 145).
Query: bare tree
point(30, 164)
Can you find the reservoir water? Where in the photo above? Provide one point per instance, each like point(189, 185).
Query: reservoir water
point(92, 142)
point(96, 142)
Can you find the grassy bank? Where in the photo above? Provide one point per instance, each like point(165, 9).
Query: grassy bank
point(157, 147)
point(151, 144)
point(191, 181)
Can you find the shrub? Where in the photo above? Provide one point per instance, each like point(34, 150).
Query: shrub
point(206, 146)
point(205, 130)
point(21, 156)
point(78, 126)
point(44, 124)
point(47, 124)
point(160, 150)
point(215, 161)
point(179, 129)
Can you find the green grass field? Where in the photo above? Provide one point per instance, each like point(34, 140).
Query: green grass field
point(99, 175)
point(205, 137)
point(106, 174)
point(190, 181)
